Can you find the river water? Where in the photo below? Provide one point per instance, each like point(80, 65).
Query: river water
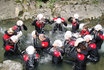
point(45, 62)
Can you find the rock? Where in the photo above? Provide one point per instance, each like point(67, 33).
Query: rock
point(26, 16)
point(11, 65)
point(25, 6)
point(32, 5)
point(85, 11)
point(7, 9)
point(45, 11)
point(18, 9)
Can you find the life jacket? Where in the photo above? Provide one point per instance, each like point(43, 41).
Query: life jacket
point(26, 57)
point(6, 36)
point(57, 53)
point(93, 46)
point(84, 33)
point(44, 44)
point(15, 27)
point(74, 23)
point(72, 43)
point(101, 36)
point(60, 18)
point(80, 56)
point(39, 25)
point(8, 47)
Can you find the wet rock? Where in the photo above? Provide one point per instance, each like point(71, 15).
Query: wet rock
point(26, 16)
point(46, 11)
point(11, 65)
point(85, 11)
point(7, 9)
point(18, 10)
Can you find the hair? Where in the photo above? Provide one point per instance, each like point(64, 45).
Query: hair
point(82, 46)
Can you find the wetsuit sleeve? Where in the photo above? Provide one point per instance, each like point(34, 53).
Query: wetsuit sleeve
point(25, 27)
point(91, 31)
point(47, 21)
point(65, 23)
point(70, 19)
point(34, 22)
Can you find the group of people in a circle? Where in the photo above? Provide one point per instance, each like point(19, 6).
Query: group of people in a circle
point(82, 46)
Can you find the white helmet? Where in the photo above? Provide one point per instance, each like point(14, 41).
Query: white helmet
point(33, 33)
point(98, 27)
point(19, 34)
point(30, 50)
point(76, 16)
point(19, 23)
point(58, 20)
point(68, 34)
point(76, 35)
point(57, 43)
point(88, 36)
point(79, 40)
point(14, 38)
point(40, 16)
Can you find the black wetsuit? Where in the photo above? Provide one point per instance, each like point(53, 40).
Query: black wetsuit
point(58, 26)
point(80, 60)
point(31, 61)
point(75, 25)
point(57, 59)
point(39, 26)
point(93, 54)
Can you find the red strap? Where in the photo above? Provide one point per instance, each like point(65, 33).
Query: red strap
point(72, 43)
point(37, 23)
point(15, 27)
point(55, 19)
point(37, 56)
point(93, 46)
point(57, 53)
point(25, 57)
point(44, 44)
point(84, 33)
point(80, 56)
point(74, 23)
point(102, 37)
point(63, 19)
point(6, 36)
point(7, 48)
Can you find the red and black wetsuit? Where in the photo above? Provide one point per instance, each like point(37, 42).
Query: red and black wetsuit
point(68, 45)
point(57, 55)
point(59, 26)
point(7, 36)
point(44, 45)
point(93, 54)
point(98, 37)
point(19, 28)
point(80, 60)
point(83, 33)
point(10, 47)
point(39, 26)
point(75, 25)
point(31, 61)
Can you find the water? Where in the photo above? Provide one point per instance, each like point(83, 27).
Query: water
point(45, 62)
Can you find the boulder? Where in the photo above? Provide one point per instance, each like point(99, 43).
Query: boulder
point(11, 65)
point(7, 9)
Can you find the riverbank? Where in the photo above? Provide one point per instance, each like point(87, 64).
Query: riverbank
point(28, 9)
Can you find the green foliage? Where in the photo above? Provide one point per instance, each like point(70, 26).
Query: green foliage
point(95, 2)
